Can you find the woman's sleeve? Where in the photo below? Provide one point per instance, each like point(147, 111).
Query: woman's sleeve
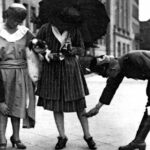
point(78, 43)
point(41, 33)
point(30, 36)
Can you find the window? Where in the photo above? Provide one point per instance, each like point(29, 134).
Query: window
point(127, 15)
point(124, 48)
point(135, 12)
point(119, 49)
point(137, 1)
point(3, 9)
point(117, 13)
point(128, 48)
point(136, 28)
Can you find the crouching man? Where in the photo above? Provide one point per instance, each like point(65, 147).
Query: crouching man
point(135, 65)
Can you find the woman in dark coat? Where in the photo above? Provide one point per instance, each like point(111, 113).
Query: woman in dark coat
point(62, 87)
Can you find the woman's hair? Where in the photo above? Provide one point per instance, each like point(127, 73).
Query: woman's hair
point(18, 11)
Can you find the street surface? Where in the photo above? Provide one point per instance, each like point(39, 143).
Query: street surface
point(115, 125)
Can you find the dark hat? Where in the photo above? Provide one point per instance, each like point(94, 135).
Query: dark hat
point(67, 18)
point(70, 15)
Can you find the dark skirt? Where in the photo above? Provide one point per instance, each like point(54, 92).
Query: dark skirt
point(62, 105)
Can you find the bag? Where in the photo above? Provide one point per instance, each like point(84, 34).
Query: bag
point(34, 64)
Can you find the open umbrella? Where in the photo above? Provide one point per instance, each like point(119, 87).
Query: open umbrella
point(50, 9)
point(89, 16)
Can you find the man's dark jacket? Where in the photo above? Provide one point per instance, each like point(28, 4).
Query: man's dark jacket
point(135, 65)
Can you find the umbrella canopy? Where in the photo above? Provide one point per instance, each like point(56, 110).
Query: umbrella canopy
point(89, 16)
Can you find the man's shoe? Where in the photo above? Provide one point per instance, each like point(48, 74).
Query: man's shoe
point(133, 145)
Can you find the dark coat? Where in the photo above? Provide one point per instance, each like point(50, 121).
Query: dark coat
point(60, 79)
point(135, 65)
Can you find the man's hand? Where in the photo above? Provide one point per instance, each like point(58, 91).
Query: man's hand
point(94, 111)
point(4, 109)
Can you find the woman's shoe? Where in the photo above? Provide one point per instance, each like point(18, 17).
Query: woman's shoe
point(61, 143)
point(133, 146)
point(16, 143)
point(91, 143)
point(3, 146)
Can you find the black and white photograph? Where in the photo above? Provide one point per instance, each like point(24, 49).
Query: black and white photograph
point(75, 74)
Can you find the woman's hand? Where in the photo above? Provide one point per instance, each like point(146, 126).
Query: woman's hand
point(94, 111)
point(77, 51)
point(4, 108)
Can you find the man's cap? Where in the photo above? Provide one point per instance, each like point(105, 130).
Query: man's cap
point(104, 59)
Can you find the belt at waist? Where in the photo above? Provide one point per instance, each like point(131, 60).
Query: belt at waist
point(13, 64)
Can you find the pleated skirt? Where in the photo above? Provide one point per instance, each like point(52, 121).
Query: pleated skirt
point(62, 106)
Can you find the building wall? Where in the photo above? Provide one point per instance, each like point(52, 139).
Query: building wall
point(124, 25)
point(119, 32)
point(123, 28)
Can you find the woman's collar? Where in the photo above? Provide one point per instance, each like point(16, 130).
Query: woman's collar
point(21, 31)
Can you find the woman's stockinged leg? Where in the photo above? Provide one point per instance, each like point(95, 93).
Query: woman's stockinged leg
point(84, 123)
point(15, 138)
point(85, 126)
point(59, 120)
point(3, 124)
point(62, 139)
point(16, 127)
